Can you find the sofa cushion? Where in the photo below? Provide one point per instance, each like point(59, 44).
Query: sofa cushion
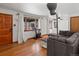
point(66, 39)
point(62, 39)
point(59, 38)
point(66, 33)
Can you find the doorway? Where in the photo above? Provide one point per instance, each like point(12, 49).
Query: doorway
point(5, 29)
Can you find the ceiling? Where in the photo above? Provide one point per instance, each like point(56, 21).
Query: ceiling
point(41, 8)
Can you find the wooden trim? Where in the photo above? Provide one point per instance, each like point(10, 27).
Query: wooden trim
point(5, 14)
point(74, 16)
point(30, 38)
point(44, 35)
point(15, 42)
point(70, 23)
point(12, 29)
point(28, 30)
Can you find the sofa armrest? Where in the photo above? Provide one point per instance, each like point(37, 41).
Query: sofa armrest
point(73, 38)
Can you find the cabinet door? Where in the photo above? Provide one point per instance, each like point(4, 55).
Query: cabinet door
point(74, 24)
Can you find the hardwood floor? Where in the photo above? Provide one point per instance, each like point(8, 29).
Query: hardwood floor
point(30, 48)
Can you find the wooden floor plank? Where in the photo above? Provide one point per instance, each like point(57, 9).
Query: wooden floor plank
point(30, 48)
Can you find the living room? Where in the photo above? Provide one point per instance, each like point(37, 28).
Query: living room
point(33, 26)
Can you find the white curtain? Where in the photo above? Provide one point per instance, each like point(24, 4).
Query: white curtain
point(20, 28)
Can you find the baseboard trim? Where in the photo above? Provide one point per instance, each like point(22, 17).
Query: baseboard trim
point(44, 34)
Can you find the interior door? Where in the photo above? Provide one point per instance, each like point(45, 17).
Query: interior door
point(5, 29)
point(74, 24)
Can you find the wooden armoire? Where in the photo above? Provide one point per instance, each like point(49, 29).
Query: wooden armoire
point(74, 24)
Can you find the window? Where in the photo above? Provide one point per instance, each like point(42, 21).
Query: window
point(30, 24)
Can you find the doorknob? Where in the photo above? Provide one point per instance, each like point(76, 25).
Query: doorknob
point(11, 29)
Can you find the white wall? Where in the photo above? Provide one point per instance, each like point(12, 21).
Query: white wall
point(63, 12)
point(18, 30)
point(23, 35)
point(63, 24)
point(14, 21)
point(44, 25)
point(51, 25)
point(28, 34)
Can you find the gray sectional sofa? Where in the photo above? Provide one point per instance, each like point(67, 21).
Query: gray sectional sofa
point(63, 45)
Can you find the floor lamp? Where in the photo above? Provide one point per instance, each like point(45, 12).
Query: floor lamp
point(50, 51)
point(52, 7)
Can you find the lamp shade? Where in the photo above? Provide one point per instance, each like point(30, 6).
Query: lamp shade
point(52, 7)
